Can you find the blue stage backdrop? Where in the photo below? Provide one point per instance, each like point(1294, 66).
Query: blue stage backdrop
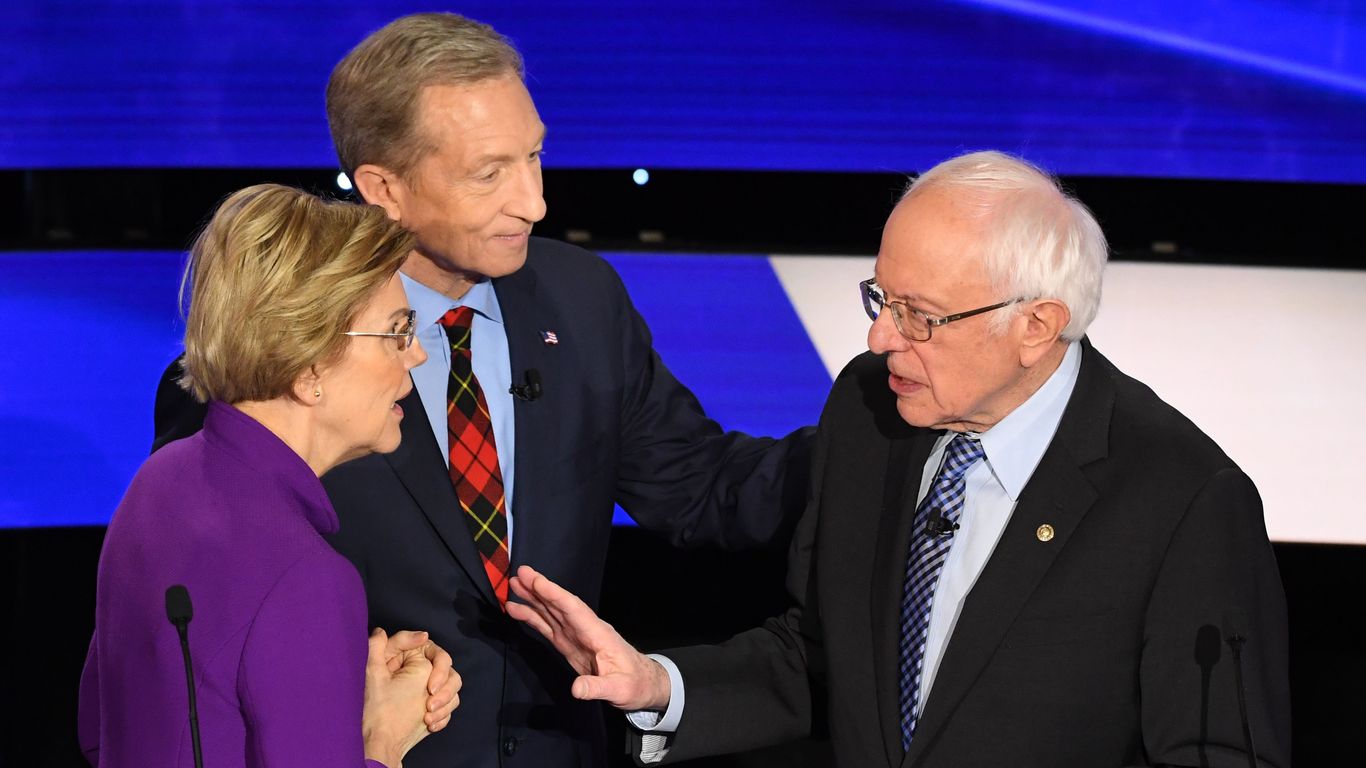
point(1254, 89)
point(91, 332)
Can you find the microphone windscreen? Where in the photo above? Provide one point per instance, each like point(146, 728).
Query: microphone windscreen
point(178, 608)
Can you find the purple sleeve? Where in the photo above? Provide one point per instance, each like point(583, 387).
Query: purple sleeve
point(302, 675)
point(88, 711)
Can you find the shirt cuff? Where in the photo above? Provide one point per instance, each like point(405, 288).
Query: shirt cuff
point(658, 728)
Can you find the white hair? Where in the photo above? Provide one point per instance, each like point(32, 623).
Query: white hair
point(1038, 241)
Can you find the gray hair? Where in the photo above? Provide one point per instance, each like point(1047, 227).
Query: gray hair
point(373, 94)
point(1038, 241)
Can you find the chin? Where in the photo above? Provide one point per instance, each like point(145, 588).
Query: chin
point(916, 417)
point(506, 266)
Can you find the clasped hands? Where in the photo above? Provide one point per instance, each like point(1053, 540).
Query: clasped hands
point(609, 668)
point(410, 691)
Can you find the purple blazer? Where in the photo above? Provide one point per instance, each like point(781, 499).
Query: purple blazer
point(279, 630)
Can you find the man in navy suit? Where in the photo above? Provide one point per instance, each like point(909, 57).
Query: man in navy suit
point(433, 123)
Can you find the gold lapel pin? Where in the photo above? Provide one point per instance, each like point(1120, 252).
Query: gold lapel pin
point(1045, 532)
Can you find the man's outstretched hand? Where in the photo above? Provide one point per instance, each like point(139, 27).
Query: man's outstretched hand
point(609, 668)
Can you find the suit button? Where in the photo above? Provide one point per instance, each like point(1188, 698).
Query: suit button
point(510, 746)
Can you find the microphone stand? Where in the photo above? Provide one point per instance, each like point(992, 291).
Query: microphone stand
point(179, 612)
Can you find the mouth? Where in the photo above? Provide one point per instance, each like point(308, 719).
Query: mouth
point(398, 409)
point(903, 386)
point(513, 238)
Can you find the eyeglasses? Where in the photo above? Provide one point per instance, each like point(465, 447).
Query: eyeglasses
point(914, 324)
point(405, 335)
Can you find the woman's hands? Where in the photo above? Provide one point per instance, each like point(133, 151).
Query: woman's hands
point(410, 691)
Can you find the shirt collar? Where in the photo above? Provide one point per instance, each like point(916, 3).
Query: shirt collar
point(1016, 443)
point(432, 304)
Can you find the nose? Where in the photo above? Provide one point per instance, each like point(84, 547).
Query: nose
point(883, 337)
point(527, 201)
point(414, 355)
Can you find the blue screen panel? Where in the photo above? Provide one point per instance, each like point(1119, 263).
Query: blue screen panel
point(1257, 89)
point(91, 332)
point(90, 335)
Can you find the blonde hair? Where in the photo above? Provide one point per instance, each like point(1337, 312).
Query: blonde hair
point(373, 93)
point(1038, 241)
point(275, 277)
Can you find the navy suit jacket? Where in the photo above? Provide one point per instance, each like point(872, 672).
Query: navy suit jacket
point(611, 424)
point(1095, 648)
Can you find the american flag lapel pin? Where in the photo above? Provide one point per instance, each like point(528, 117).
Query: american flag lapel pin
point(550, 338)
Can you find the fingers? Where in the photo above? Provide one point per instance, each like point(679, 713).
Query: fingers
point(439, 724)
point(445, 699)
point(527, 615)
point(407, 640)
point(557, 606)
point(641, 684)
point(378, 641)
point(441, 704)
point(441, 667)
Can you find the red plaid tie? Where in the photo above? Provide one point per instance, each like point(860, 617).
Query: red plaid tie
point(474, 457)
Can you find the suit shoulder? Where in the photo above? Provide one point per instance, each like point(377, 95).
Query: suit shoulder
point(860, 396)
point(554, 259)
point(1154, 427)
point(863, 367)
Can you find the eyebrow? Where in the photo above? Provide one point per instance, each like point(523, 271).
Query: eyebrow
point(483, 160)
point(400, 313)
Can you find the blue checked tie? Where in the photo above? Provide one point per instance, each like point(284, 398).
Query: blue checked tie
point(924, 561)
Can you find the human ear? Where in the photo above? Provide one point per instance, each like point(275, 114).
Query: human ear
point(1044, 321)
point(380, 186)
point(308, 387)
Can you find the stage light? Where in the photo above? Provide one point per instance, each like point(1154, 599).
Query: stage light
point(343, 182)
point(641, 177)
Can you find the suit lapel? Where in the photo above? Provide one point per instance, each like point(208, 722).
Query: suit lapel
point(525, 318)
point(1059, 495)
point(906, 459)
point(423, 472)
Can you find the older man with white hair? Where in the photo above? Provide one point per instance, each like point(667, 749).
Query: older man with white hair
point(1014, 554)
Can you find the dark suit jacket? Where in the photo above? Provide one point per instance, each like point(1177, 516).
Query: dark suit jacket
point(1100, 647)
point(611, 424)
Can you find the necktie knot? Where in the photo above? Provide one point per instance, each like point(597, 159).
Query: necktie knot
point(963, 452)
point(457, 323)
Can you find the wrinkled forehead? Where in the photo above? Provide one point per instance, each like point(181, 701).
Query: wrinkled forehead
point(451, 116)
point(931, 246)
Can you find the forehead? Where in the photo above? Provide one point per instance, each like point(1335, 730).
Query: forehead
point(930, 248)
point(468, 118)
point(389, 300)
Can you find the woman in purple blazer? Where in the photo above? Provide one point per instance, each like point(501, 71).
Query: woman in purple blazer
point(300, 338)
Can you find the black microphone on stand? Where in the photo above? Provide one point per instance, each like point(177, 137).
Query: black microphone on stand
point(1236, 636)
point(179, 612)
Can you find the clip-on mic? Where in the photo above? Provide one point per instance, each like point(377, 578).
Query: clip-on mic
point(531, 389)
point(938, 525)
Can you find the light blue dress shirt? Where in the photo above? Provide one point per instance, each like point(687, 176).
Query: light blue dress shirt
point(489, 358)
point(1013, 448)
